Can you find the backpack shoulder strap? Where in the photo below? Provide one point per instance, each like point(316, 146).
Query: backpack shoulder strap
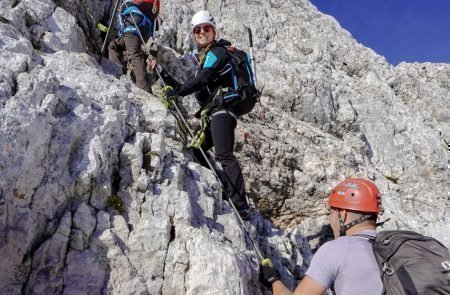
point(237, 55)
point(366, 237)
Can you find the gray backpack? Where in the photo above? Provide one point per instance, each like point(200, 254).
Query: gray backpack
point(411, 263)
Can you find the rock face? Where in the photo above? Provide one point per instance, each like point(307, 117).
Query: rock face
point(98, 195)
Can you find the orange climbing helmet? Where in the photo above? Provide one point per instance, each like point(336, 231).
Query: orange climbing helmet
point(356, 194)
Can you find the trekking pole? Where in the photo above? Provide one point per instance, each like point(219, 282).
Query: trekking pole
point(253, 63)
point(252, 55)
point(108, 32)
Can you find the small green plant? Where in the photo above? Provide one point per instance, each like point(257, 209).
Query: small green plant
point(38, 52)
point(18, 194)
point(114, 202)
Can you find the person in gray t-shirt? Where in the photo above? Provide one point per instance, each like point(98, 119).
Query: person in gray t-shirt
point(346, 264)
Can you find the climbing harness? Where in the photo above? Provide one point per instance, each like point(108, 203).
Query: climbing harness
point(133, 11)
point(137, 30)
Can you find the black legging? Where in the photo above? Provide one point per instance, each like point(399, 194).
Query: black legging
point(220, 134)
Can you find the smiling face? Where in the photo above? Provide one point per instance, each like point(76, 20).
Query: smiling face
point(204, 35)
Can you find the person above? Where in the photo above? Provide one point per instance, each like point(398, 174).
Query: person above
point(136, 22)
point(213, 86)
point(346, 264)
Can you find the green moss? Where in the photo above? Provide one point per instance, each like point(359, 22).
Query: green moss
point(38, 51)
point(18, 194)
point(114, 202)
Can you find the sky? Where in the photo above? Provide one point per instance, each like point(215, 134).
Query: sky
point(400, 30)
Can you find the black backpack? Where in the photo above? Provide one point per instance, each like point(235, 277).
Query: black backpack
point(411, 263)
point(243, 74)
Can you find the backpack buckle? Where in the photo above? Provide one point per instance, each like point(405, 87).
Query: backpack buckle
point(387, 270)
point(446, 265)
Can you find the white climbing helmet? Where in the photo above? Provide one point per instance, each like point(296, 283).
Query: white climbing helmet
point(203, 17)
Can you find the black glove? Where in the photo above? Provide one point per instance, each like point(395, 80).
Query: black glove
point(168, 79)
point(169, 96)
point(172, 94)
point(267, 273)
point(169, 92)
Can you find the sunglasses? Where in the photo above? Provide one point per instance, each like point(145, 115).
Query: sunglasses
point(204, 28)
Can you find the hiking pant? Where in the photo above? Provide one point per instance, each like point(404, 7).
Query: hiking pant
point(220, 134)
point(134, 58)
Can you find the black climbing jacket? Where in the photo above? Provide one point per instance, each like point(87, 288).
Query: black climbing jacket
point(214, 73)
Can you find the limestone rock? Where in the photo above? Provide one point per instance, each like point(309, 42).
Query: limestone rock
point(49, 261)
point(99, 196)
point(63, 33)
